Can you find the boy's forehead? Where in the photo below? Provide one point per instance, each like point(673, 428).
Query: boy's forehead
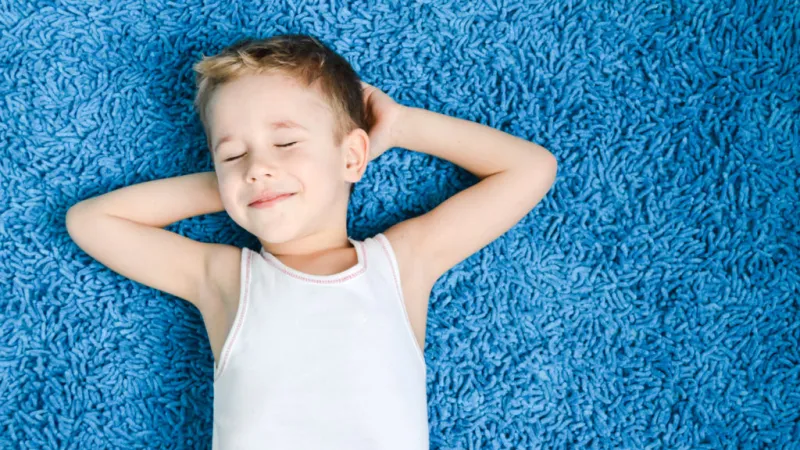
point(273, 101)
point(269, 90)
point(276, 105)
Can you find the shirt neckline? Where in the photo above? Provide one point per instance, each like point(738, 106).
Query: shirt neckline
point(345, 275)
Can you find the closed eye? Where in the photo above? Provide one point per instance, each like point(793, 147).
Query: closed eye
point(282, 146)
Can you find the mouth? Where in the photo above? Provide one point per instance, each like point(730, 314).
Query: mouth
point(266, 203)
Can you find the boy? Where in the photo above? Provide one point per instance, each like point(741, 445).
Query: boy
point(317, 338)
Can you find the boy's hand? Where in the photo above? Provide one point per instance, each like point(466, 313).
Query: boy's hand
point(382, 113)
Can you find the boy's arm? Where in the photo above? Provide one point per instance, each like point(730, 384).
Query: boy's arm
point(159, 203)
point(515, 175)
point(123, 230)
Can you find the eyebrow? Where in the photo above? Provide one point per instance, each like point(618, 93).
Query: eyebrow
point(277, 125)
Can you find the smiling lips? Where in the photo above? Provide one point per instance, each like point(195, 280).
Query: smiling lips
point(270, 199)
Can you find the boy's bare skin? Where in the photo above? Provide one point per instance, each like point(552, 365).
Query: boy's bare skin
point(123, 229)
point(313, 167)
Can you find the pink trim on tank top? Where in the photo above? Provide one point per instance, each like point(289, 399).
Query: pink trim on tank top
point(240, 315)
point(294, 273)
point(384, 241)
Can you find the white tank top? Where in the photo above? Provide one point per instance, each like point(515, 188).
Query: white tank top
point(317, 362)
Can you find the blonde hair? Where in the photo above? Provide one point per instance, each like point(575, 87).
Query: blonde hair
point(299, 56)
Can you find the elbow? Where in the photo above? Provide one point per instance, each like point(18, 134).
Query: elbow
point(550, 157)
point(550, 162)
point(71, 218)
point(545, 168)
point(75, 215)
point(543, 161)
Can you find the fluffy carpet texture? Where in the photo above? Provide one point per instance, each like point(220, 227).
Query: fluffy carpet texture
point(651, 300)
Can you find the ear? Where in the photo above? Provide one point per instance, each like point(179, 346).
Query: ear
point(355, 155)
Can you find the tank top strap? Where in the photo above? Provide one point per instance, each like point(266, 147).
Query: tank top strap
point(383, 261)
point(384, 266)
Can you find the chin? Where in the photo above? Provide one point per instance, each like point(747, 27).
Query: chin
point(273, 234)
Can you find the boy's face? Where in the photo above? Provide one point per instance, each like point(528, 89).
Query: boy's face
point(254, 159)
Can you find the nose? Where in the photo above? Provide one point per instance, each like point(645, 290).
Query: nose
point(261, 166)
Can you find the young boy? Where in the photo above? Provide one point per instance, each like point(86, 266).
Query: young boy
point(317, 338)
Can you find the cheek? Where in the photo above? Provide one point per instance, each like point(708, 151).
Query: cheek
point(227, 192)
point(308, 168)
point(321, 176)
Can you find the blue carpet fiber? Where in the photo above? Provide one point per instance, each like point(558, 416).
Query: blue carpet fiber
point(649, 301)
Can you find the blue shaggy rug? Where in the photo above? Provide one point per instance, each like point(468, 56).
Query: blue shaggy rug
point(650, 301)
